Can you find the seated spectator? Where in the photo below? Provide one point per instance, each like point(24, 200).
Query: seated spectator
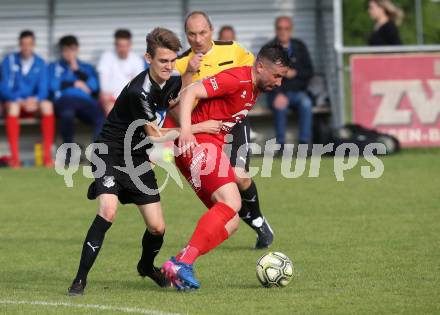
point(73, 85)
point(226, 33)
point(385, 16)
point(116, 68)
point(292, 93)
point(23, 88)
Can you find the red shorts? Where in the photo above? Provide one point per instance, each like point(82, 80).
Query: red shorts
point(26, 114)
point(169, 122)
point(207, 169)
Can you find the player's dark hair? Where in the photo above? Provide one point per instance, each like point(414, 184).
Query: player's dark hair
point(122, 33)
point(198, 13)
point(68, 41)
point(274, 53)
point(26, 33)
point(162, 38)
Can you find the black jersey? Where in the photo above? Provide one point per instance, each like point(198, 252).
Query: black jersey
point(141, 98)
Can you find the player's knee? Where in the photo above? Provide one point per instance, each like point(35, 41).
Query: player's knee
point(12, 109)
point(306, 102)
point(108, 212)
point(242, 178)
point(66, 116)
point(46, 108)
point(157, 229)
point(243, 183)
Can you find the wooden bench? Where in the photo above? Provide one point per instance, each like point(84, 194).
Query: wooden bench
point(261, 116)
point(321, 120)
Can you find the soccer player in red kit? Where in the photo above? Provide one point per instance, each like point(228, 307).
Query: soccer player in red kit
point(227, 96)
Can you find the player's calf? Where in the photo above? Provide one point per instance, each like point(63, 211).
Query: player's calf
point(151, 244)
point(91, 247)
point(13, 132)
point(250, 213)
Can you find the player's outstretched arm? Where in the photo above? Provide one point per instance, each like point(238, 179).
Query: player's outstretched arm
point(187, 98)
point(188, 95)
point(159, 135)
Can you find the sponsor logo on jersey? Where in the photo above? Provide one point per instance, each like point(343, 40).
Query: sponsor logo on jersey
point(243, 95)
point(109, 181)
point(213, 83)
point(240, 115)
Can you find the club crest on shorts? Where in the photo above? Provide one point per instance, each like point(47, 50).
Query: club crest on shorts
point(109, 181)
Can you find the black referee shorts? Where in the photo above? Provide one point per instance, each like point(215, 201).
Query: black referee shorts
point(240, 153)
point(119, 183)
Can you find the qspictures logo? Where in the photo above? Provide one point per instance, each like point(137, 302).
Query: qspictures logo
point(293, 160)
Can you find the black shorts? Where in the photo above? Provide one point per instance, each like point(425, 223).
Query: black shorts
point(240, 153)
point(140, 191)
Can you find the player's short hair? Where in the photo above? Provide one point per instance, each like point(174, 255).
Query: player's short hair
point(274, 53)
point(162, 38)
point(202, 13)
point(68, 41)
point(26, 33)
point(122, 33)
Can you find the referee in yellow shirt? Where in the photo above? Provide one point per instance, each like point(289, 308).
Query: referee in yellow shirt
point(206, 58)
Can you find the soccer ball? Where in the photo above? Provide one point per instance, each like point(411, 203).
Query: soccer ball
point(274, 269)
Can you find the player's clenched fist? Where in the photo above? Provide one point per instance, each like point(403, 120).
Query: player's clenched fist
point(194, 63)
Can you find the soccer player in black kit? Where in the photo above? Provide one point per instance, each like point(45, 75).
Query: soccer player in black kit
point(146, 97)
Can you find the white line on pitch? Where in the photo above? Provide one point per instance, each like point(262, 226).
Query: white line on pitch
point(135, 310)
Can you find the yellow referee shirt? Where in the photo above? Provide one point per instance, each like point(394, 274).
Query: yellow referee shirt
point(223, 55)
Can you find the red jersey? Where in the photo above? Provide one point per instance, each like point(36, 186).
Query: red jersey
point(231, 95)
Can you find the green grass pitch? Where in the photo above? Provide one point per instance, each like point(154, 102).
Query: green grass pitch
point(358, 247)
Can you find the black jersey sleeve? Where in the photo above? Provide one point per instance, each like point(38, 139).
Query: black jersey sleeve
point(143, 107)
point(170, 92)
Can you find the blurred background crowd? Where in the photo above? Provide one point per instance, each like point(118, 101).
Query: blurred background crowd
point(50, 82)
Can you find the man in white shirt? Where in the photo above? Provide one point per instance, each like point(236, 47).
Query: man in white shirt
point(116, 68)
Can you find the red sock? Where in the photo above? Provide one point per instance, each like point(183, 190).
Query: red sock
point(48, 131)
point(13, 132)
point(209, 233)
point(188, 255)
